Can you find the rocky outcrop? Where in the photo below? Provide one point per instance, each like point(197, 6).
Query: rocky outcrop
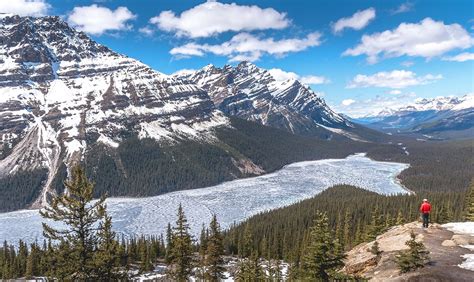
point(446, 251)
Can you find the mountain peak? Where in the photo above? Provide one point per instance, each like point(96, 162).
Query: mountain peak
point(62, 93)
point(252, 93)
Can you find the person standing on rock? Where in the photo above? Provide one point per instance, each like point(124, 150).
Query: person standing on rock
point(425, 209)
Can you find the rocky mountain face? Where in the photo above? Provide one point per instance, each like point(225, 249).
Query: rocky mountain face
point(252, 93)
point(60, 91)
point(438, 116)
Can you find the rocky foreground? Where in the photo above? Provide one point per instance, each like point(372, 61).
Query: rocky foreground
point(451, 254)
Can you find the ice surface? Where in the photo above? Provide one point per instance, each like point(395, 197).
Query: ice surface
point(231, 201)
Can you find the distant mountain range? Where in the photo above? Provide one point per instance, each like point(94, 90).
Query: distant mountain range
point(440, 117)
point(65, 99)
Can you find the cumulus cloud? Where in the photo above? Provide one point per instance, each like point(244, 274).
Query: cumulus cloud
point(466, 56)
point(357, 21)
point(427, 39)
point(183, 72)
point(212, 18)
point(146, 30)
point(35, 8)
point(373, 106)
point(97, 20)
point(395, 79)
point(281, 75)
point(248, 47)
point(403, 8)
point(395, 92)
point(347, 102)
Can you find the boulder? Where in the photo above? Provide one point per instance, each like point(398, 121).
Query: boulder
point(448, 243)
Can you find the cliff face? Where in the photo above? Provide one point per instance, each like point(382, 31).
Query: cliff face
point(449, 254)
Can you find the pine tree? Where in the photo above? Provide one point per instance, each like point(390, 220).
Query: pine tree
point(106, 257)
point(400, 219)
point(145, 263)
point(415, 257)
point(33, 262)
point(182, 249)
point(80, 216)
point(322, 256)
point(202, 251)
point(169, 244)
point(347, 229)
point(247, 245)
point(469, 203)
point(376, 226)
point(215, 250)
point(375, 249)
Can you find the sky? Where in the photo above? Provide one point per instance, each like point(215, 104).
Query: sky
point(361, 56)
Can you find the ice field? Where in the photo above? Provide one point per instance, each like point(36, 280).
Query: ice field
point(231, 201)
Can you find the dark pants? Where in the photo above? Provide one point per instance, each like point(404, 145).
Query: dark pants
point(426, 219)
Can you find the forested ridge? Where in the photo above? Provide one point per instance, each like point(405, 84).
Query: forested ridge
point(145, 167)
point(439, 171)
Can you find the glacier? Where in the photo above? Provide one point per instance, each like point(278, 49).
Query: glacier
point(232, 201)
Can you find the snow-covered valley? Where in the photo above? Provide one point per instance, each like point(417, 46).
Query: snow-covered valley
point(231, 201)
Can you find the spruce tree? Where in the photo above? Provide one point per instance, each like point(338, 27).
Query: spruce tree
point(181, 249)
point(215, 250)
point(376, 226)
point(247, 244)
point(400, 219)
point(169, 244)
point(322, 256)
point(76, 211)
point(415, 257)
point(469, 203)
point(106, 257)
point(33, 262)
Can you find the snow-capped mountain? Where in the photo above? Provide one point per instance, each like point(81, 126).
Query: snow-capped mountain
point(252, 93)
point(427, 116)
point(60, 91)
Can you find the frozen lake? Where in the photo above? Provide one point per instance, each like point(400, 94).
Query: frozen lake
point(231, 201)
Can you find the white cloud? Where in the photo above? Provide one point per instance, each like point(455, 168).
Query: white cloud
point(395, 79)
point(347, 102)
point(395, 92)
point(34, 8)
point(357, 21)
point(212, 18)
point(407, 63)
point(403, 8)
point(427, 39)
point(247, 47)
point(373, 106)
point(183, 72)
point(466, 56)
point(314, 79)
point(146, 30)
point(97, 20)
point(281, 75)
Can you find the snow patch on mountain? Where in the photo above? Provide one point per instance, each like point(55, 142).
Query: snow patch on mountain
point(253, 93)
point(58, 88)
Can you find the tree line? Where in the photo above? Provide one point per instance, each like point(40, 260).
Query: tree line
point(312, 242)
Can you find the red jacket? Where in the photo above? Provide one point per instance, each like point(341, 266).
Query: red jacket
point(425, 207)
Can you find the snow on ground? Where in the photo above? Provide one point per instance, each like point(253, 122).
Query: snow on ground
point(231, 201)
point(466, 228)
point(461, 227)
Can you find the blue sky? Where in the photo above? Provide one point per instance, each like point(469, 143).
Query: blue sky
point(361, 55)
